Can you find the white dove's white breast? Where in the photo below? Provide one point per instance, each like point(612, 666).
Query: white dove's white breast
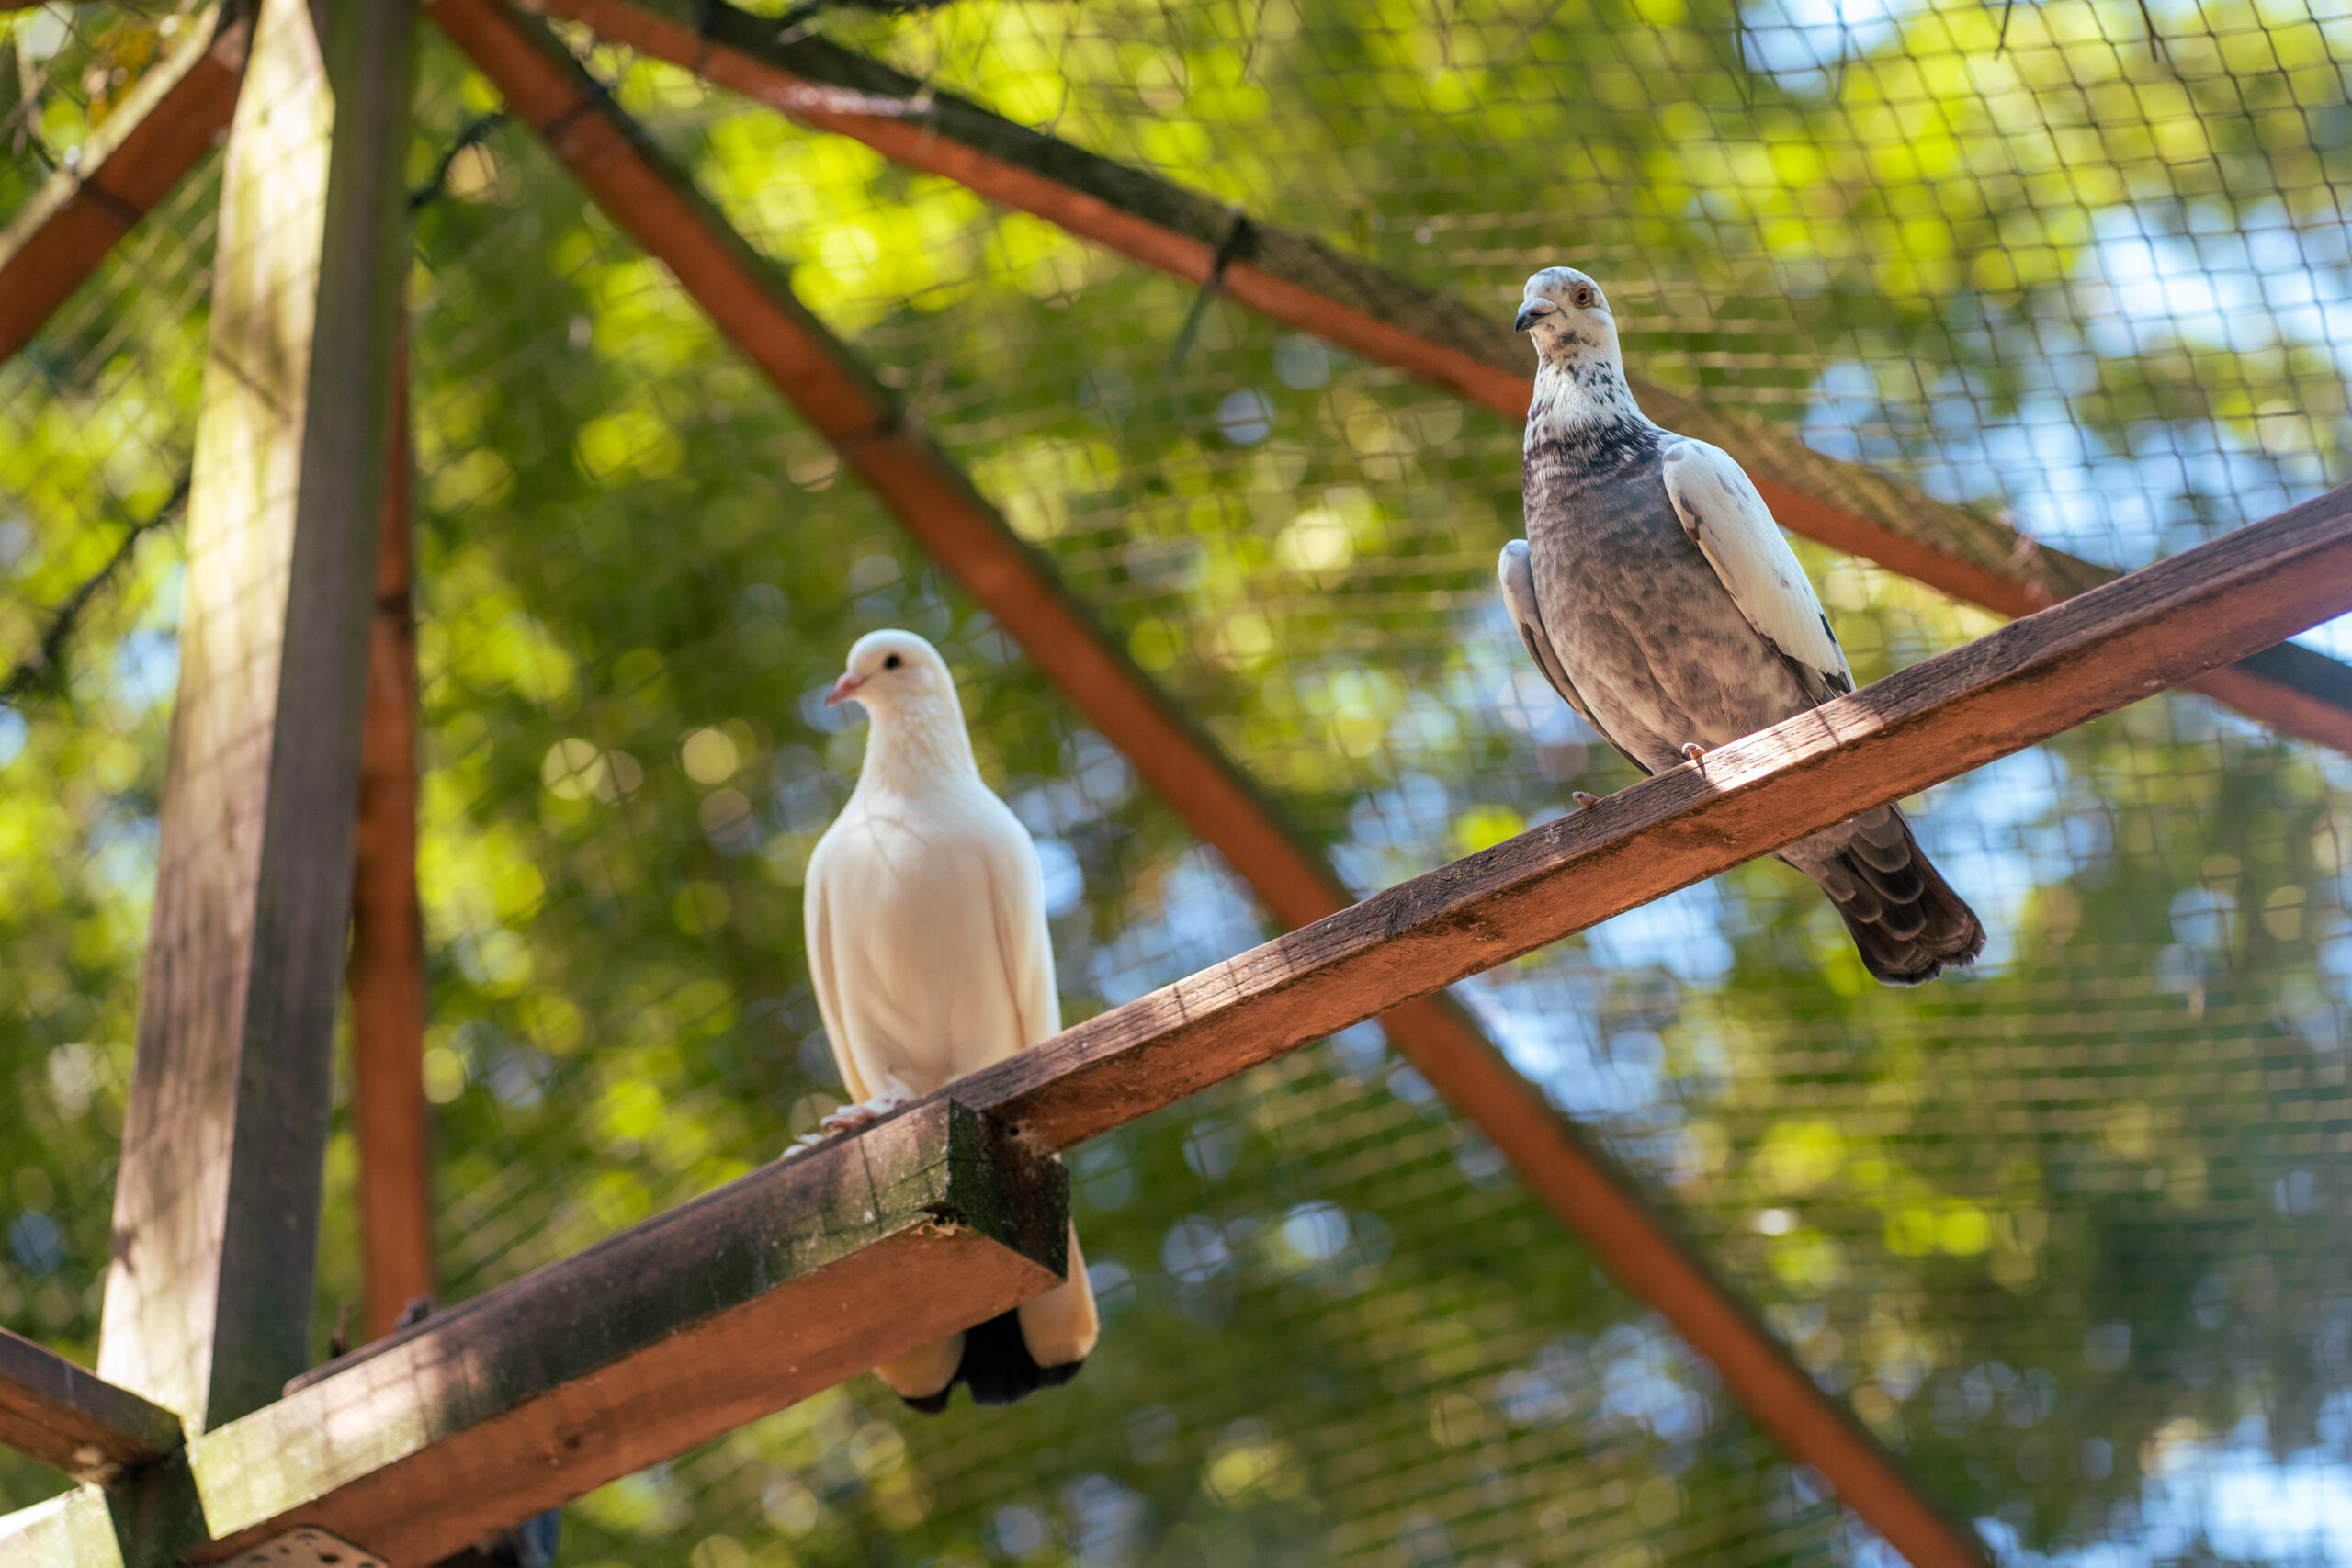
point(927, 904)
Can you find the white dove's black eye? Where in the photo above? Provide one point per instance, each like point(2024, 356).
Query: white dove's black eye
point(892, 662)
point(1583, 297)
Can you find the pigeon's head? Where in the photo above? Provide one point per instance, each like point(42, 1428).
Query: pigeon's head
point(889, 670)
point(1567, 316)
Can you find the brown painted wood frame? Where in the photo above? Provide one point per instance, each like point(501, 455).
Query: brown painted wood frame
point(66, 1416)
point(174, 116)
point(387, 972)
point(1303, 282)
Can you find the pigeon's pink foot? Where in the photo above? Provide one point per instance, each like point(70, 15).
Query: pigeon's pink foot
point(1585, 799)
point(850, 1118)
point(1693, 752)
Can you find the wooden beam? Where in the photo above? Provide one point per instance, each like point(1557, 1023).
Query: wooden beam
point(749, 299)
point(1303, 282)
point(737, 1304)
point(805, 1272)
point(208, 1304)
point(387, 928)
point(175, 114)
point(67, 1417)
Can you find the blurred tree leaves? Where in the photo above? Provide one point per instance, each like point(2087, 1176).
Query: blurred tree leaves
point(2058, 1230)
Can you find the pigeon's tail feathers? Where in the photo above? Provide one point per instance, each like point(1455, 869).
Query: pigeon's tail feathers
point(1039, 1344)
point(925, 1376)
point(997, 1367)
point(1907, 922)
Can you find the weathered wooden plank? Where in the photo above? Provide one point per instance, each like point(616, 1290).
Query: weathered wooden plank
point(68, 1531)
point(749, 1298)
point(207, 1302)
point(823, 377)
point(174, 116)
point(1305, 284)
point(737, 1304)
point(388, 928)
point(66, 1416)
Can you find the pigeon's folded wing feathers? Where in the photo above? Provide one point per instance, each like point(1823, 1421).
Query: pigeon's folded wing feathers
point(1517, 579)
point(1734, 529)
point(1518, 594)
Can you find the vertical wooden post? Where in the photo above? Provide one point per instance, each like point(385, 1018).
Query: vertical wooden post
point(208, 1304)
point(387, 926)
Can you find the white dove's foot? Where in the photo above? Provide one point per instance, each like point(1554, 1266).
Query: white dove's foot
point(850, 1118)
point(1695, 753)
point(1585, 799)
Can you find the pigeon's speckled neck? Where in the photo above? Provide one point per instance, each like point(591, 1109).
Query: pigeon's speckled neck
point(917, 743)
point(1577, 384)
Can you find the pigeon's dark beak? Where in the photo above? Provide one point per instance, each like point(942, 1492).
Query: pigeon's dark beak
point(844, 689)
point(1532, 312)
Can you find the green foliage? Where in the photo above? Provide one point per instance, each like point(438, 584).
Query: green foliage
point(2062, 1230)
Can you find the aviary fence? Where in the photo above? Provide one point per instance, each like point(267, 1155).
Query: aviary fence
point(1194, 448)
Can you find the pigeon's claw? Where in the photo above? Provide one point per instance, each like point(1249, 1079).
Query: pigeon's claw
point(1693, 752)
point(850, 1118)
point(1585, 799)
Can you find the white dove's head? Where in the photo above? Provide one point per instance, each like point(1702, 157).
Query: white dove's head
point(918, 740)
point(891, 671)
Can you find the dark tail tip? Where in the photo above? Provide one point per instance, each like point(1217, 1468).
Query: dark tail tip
point(997, 1367)
point(1907, 922)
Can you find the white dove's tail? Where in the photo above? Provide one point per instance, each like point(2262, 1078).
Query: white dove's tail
point(1039, 1344)
point(1905, 920)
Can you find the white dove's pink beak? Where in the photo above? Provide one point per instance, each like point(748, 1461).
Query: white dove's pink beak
point(844, 689)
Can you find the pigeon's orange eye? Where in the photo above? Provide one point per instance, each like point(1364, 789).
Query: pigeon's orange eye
point(1583, 297)
point(891, 662)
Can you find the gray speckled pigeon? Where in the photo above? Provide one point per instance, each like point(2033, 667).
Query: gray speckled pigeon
point(1659, 599)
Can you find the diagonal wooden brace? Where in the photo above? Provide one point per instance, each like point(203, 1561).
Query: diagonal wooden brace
point(68, 1417)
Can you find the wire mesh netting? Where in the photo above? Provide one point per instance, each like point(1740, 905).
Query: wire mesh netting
point(2068, 1232)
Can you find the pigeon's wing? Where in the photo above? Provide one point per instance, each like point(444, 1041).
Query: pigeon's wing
point(1734, 529)
point(1519, 593)
point(1518, 578)
point(816, 921)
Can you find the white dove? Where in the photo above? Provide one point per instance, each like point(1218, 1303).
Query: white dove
point(1656, 595)
point(925, 916)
